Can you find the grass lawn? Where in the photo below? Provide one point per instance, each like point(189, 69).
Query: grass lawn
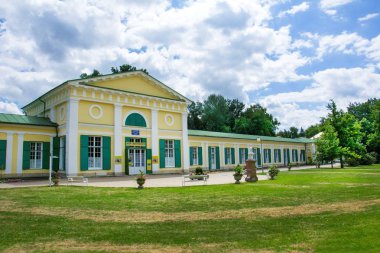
point(316, 210)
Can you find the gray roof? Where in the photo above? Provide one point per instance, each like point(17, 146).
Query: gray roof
point(25, 120)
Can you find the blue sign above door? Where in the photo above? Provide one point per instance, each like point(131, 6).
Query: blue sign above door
point(135, 132)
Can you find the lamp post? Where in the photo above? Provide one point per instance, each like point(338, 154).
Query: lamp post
point(261, 155)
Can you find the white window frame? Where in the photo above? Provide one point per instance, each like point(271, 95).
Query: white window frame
point(34, 152)
point(277, 153)
point(266, 155)
point(194, 155)
point(228, 155)
point(169, 154)
point(92, 149)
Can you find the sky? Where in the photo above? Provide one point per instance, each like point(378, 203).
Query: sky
point(292, 57)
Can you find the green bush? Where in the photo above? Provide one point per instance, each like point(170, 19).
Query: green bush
point(238, 170)
point(353, 162)
point(368, 159)
point(198, 171)
point(273, 172)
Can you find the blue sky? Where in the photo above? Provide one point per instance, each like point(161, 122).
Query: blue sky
point(290, 56)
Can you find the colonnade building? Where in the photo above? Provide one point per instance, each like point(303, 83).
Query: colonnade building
point(121, 124)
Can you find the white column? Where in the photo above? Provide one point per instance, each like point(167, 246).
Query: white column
point(185, 143)
point(117, 136)
point(8, 159)
point(237, 161)
point(72, 137)
point(20, 150)
point(155, 149)
point(205, 161)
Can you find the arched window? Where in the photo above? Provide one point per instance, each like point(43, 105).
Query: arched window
point(135, 119)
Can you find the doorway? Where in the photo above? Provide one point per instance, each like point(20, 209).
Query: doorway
point(136, 159)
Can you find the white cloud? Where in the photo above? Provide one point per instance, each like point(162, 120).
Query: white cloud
point(9, 108)
point(302, 7)
point(344, 85)
point(368, 17)
point(329, 6)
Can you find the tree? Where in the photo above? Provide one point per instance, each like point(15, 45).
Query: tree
point(313, 130)
point(214, 116)
point(235, 110)
point(94, 73)
point(256, 120)
point(194, 119)
point(348, 132)
point(126, 68)
point(328, 148)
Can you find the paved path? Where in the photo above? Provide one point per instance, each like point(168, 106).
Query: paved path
point(223, 177)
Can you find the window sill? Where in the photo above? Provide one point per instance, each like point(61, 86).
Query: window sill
point(95, 168)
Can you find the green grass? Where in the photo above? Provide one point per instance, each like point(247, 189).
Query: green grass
point(22, 228)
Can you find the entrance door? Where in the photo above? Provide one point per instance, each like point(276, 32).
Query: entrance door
point(213, 158)
point(137, 161)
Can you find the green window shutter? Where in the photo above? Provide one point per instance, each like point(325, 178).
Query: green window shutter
point(3, 154)
point(144, 141)
point(26, 155)
point(240, 157)
point(209, 158)
point(270, 155)
point(288, 152)
point(200, 156)
point(64, 152)
point(56, 153)
point(225, 155)
point(217, 158)
point(233, 155)
point(258, 157)
point(162, 153)
point(297, 155)
point(83, 152)
point(45, 155)
point(126, 155)
point(177, 153)
point(149, 157)
point(135, 119)
point(279, 155)
point(246, 154)
point(106, 152)
point(191, 156)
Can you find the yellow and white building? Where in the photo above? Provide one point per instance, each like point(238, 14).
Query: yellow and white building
point(121, 124)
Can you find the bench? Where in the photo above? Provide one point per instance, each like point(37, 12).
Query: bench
point(77, 179)
point(194, 178)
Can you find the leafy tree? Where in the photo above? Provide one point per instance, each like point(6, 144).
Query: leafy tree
point(235, 110)
point(328, 148)
point(194, 119)
point(94, 73)
point(302, 133)
point(256, 120)
point(313, 130)
point(126, 68)
point(214, 116)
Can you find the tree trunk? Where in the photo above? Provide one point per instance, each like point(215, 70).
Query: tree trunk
point(341, 162)
point(332, 164)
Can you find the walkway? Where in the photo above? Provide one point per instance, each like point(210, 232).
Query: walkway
point(223, 177)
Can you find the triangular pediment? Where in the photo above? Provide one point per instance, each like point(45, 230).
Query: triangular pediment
point(134, 82)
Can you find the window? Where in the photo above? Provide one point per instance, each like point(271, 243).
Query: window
point(194, 155)
point(277, 155)
point(169, 154)
point(302, 156)
point(228, 158)
point(36, 155)
point(267, 156)
point(294, 155)
point(95, 152)
point(242, 156)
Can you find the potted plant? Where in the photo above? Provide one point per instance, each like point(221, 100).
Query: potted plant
point(55, 177)
point(238, 174)
point(141, 180)
point(273, 172)
point(290, 166)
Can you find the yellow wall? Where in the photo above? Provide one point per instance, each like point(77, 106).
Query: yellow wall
point(136, 84)
point(84, 113)
point(173, 120)
point(3, 136)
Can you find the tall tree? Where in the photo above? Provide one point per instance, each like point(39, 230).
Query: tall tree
point(215, 111)
point(256, 120)
point(313, 130)
point(194, 119)
point(235, 110)
point(328, 148)
point(94, 73)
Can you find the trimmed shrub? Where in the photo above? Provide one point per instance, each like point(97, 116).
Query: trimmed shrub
point(273, 172)
point(198, 171)
point(353, 162)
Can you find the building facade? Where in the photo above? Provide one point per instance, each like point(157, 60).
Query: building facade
point(122, 124)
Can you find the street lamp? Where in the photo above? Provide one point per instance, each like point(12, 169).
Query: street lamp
point(261, 155)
